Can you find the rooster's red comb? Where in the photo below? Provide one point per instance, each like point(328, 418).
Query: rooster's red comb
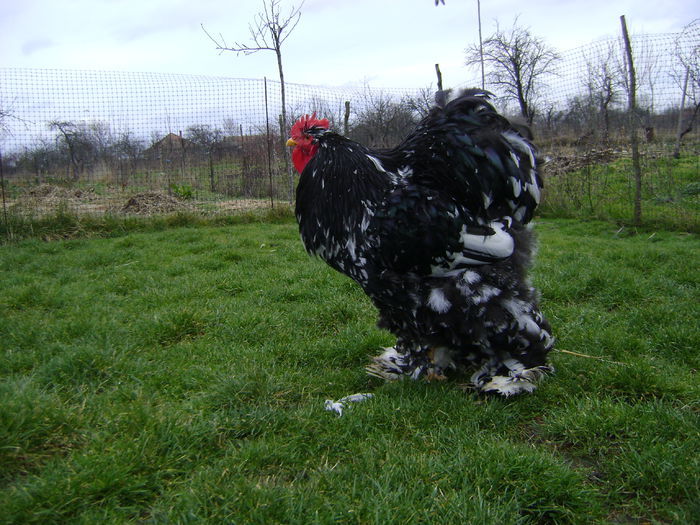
point(307, 122)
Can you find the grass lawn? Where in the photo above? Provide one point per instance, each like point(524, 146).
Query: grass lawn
point(179, 376)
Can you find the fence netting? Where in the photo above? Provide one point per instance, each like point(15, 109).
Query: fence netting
point(144, 143)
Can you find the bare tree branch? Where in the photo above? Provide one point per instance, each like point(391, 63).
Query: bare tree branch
point(604, 84)
point(268, 32)
point(518, 61)
point(7, 113)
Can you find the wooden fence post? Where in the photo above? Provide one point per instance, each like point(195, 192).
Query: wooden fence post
point(632, 124)
point(346, 120)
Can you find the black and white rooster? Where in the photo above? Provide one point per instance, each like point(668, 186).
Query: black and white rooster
point(435, 232)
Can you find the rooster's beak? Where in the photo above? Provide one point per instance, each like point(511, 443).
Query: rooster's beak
point(291, 143)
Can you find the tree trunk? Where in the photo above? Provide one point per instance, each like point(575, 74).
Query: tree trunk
point(211, 171)
point(679, 131)
point(4, 201)
point(287, 165)
point(524, 109)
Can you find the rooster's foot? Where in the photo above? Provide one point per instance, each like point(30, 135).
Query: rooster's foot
point(520, 382)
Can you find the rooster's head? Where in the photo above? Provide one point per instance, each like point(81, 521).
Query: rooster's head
point(305, 132)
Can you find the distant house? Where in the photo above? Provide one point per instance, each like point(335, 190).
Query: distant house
point(174, 151)
point(230, 144)
point(170, 149)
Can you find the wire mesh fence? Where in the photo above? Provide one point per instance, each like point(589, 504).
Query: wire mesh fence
point(99, 141)
point(585, 125)
point(143, 143)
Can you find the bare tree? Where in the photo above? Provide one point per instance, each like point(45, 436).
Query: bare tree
point(331, 109)
point(74, 141)
point(127, 149)
point(518, 63)
point(231, 127)
point(688, 50)
point(648, 74)
point(207, 140)
point(422, 102)
point(5, 114)
point(688, 55)
point(268, 32)
point(550, 115)
point(604, 84)
point(381, 120)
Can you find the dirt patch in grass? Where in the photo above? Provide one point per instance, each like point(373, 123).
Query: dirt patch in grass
point(45, 199)
point(246, 204)
point(153, 203)
point(562, 163)
point(50, 194)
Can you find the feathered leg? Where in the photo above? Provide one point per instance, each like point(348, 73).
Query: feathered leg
point(405, 360)
point(508, 377)
point(517, 366)
point(401, 360)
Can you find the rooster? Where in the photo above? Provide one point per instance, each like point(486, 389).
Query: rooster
point(436, 233)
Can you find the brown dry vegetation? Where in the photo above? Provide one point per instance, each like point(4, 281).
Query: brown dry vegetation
point(46, 199)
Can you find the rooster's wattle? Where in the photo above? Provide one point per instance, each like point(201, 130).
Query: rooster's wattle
point(436, 233)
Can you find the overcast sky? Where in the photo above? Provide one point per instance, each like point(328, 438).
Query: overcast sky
point(386, 43)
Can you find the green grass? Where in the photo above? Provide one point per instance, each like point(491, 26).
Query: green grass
point(64, 224)
point(178, 376)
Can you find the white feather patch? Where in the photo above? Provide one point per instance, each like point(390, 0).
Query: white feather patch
point(532, 188)
point(350, 246)
point(522, 313)
point(438, 302)
point(404, 172)
point(498, 245)
point(471, 277)
point(485, 293)
point(515, 183)
point(520, 145)
point(376, 163)
point(508, 386)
